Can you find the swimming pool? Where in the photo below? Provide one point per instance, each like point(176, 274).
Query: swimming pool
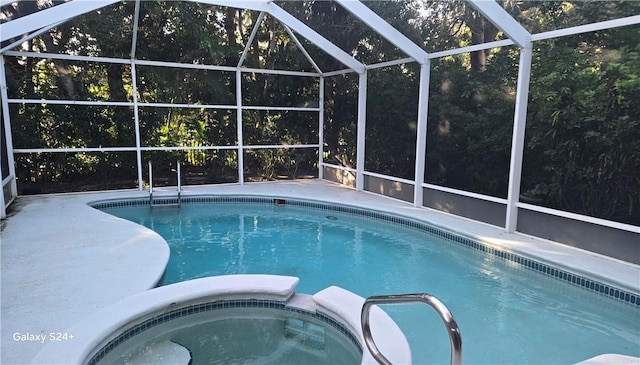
point(510, 309)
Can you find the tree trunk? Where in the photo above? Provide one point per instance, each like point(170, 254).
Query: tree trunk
point(230, 29)
point(117, 92)
point(482, 31)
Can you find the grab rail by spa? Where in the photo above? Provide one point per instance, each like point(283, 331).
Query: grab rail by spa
point(449, 322)
point(179, 198)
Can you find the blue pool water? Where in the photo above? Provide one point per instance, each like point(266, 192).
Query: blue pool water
point(507, 314)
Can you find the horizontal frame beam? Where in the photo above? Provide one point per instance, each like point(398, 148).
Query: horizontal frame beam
point(281, 108)
point(279, 146)
point(465, 193)
point(580, 217)
point(338, 167)
point(475, 47)
point(390, 63)
point(58, 56)
point(390, 178)
point(139, 62)
point(255, 5)
point(280, 72)
point(168, 148)
point(609, 24)
point(337, 72)
point(161, 105)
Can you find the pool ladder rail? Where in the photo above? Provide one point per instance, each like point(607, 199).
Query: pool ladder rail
point(166, 201)
point(449, 322)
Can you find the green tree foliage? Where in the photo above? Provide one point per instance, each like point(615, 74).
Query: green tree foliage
point(583, 149)
point(582, 132)
point(470, 123)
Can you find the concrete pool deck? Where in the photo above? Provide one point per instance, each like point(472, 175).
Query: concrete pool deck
point(62, 260)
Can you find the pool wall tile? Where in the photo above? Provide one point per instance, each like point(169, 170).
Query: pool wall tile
point(545, 269)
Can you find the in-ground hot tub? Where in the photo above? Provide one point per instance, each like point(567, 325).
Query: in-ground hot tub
point(234, 318)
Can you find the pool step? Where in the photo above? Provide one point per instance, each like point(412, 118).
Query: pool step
point(165, 201)
point(161, 353)
point(306, 333)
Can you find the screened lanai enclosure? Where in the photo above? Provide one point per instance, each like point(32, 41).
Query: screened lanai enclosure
point(523, 115)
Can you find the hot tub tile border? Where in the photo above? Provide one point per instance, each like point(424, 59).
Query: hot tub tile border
point(213, 306)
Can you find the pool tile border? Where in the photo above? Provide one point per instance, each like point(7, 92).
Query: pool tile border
point(586, 283)
point(213, 306)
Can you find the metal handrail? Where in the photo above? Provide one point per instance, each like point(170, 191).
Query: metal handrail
point(150, 180)
point(449, 322)
point(179, 187)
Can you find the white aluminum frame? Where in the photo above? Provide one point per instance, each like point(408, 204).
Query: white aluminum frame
point(361, 130)
point(10, 180)
point(139, 148)
point(503, 21)
point(517, 144)
point(374, 21)
point(33, 25)
point(320, 127)
point(421, 134)
point(49, 17)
